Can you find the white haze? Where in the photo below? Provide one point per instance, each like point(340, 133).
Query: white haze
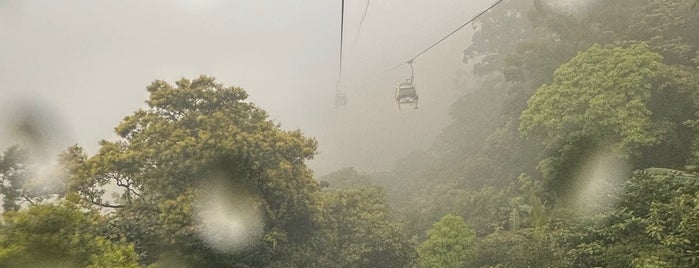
point(90, 61)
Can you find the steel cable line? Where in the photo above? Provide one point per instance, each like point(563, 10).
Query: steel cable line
point(361, 22)
point(340, 98)
point(342, 29)
point(412, 60)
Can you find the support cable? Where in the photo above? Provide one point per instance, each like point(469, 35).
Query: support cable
point(361, 22)
point(342, 29)
point(412, 60)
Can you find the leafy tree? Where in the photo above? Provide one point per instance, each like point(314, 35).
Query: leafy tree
point(668, 27)
point(358, 229)
point(13, 176)
point(346, 178)
point(600, 93)
point(666, 200)
point(495, 33)
point(675, 226)
point(665, 25)
point(529, 111)
point(521, 248)
point(192, 135)
point(610, 98)
point(18, 185)
point(647, 226)
point(450, 243)
point(60, 235)
point(634, 93)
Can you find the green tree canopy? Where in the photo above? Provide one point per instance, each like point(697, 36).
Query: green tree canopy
point(13, 175)
point(450, 243)
point(193, 135)
point(601, 93)
point(19, 185)
point(359, 230)
point(59, 236)
point(620, 98)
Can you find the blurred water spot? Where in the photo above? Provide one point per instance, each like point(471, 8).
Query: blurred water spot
point(598, 178)
point(230, 217)
point(572, 7)
point(41, 133)
point(35, 126)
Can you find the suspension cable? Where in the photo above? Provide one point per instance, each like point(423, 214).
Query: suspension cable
point(361, 22)
point(342, 29)
point(411, 60)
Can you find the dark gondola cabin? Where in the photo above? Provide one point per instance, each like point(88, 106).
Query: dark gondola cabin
point(406, 95)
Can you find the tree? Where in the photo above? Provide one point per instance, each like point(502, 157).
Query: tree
point(18, 185)
point(622, 99)
point(346, 178)
point(450, 243)
point(667, 26)
point(193, 136)
point(517, 249)
point(60, 235)
point(495, 33)
point(634, 94)
point(358, 229)
point(12, 178)
point(668, 202)
point(600, 93)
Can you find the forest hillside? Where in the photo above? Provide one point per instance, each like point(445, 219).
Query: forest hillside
point(576, 145)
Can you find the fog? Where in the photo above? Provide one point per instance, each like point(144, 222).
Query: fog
point(87, 63)
point(568, 138)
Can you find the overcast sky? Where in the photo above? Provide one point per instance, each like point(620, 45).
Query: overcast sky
point(84, 65)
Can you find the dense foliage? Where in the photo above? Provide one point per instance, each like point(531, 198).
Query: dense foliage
point(200, 178)
point(449, 244)
point(576, 145)
point(59, 236)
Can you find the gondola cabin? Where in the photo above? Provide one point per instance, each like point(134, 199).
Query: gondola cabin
point(406, 95)
point(340, 100)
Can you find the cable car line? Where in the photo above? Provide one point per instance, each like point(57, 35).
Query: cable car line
point(450, 34)
point(406, 94)
point(342, 30)
point(361, 22)
point(340, 97)
point(405, 91)
point(412, 60)
point(457, 29)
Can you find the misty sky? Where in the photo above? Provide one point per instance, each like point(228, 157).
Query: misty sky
point(84, 65)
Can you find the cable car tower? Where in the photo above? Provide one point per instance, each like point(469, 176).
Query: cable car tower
point(406, 94)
